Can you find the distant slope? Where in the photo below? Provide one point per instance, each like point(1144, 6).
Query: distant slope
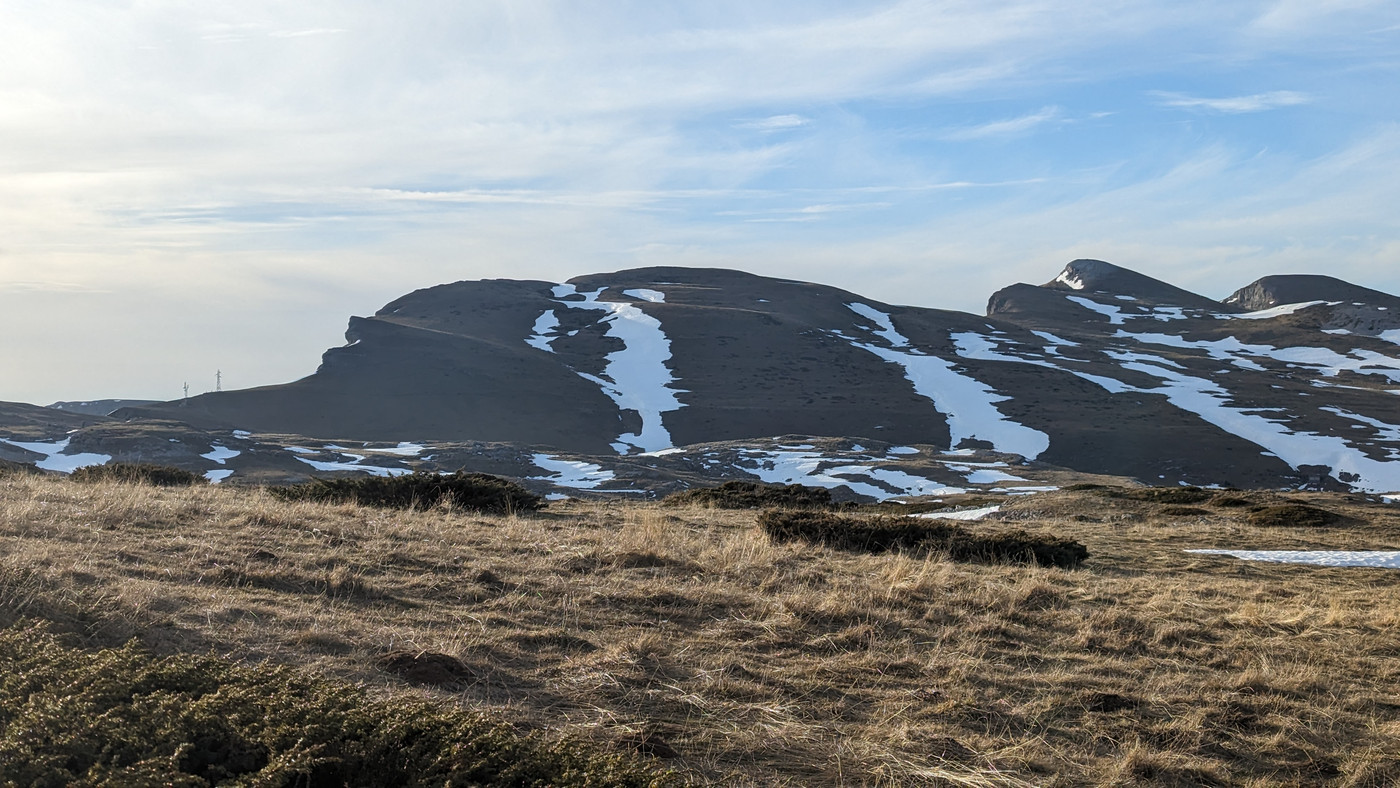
point(1101, 370)
point(101, 407)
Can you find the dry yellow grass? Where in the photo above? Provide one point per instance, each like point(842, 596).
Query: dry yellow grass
point(762, 664)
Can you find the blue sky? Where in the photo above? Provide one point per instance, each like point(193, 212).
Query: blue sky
point(187, 187)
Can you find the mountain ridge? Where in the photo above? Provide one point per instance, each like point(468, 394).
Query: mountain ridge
point(1102, 370)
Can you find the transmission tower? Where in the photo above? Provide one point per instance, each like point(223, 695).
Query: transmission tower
point(218, 380)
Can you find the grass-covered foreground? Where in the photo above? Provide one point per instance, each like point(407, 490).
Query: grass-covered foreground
point(70, 716)
point(683, 638)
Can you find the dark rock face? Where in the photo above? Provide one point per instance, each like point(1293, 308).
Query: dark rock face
point(1272, 291)
point(1102, 370)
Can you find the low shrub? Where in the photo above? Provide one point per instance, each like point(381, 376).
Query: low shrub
point(476, 492)
point(752, 495)
point(9, 467)
point(1297, 515)
point(1170, 495)
point(138, 473)
point(1226, 501)
point(120, 717)
point(884, 534)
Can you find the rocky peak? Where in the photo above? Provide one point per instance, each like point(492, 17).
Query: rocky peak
point(1281, 289)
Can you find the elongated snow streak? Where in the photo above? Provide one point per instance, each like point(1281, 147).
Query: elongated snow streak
point(1384, 559)
point(812, 469)
point(570, 473)
point(217, 475)
point(967, 402)
point(56, 460)
point(643, 294)
point(966, 514)
point(1207, 399)
point(1277, 311)
point(1115, 314)
point(636, 377)
point(545, 325)
point(1326, 361)
point(886, 328)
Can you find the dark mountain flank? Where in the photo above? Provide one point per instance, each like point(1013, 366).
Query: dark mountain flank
point(1273, 291)
point(677, 375)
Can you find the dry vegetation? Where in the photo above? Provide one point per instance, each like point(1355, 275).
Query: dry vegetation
point(685, 634)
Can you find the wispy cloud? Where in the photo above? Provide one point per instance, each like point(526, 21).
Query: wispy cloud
point(1003, 128)
point(1234, 105)
point(774, 123)
point(315, 31)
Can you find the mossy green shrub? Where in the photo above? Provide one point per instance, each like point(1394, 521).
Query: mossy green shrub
point(119, 717)
point(884, 534)
point(752, 495)
point(476, 492)
point(1297, 515)
point(138, 473)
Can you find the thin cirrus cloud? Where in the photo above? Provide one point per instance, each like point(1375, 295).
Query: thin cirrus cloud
point(1011, 127)
point(1234, 105)
point(205, 160)
point(774, 123)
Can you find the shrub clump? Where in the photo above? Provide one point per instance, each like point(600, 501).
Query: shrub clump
point(1296, 515)
point(884, 534)
point(477, 492)
point(752, 495)
point(120, 717)
point(1169, 495)
point(9, 467)
point(138, 473)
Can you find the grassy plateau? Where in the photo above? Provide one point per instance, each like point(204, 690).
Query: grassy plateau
point(221, 635)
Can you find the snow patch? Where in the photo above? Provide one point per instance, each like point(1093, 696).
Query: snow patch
point(901, 450)
point(1385, 559)
point(886, 328)
point(55, 459)
point(966, 514)
point(1073, 281)
point(1208, 400)
point(1115, 315)
point(571, 473)
point(218, 475)
point(543, 332)
point(220, 454)
point(636, 377)
point(812, 469)
point(1278, 311)
point(643, 294)
point(967, 402)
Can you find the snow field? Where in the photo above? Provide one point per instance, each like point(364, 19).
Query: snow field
point(56, 460)
point(636, 377)
point(967, 403)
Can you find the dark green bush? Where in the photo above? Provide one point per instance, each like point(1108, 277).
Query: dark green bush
point(883, 534)
point(476, 492)
point(1293, 515)
point(138, 473)
point(120, 717)
point(752, 495)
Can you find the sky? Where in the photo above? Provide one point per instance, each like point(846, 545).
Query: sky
point(192, 187)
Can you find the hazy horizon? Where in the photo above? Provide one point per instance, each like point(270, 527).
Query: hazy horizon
point(191, 188)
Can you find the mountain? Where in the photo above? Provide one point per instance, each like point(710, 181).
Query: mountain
point(651, 377)
point(1273, 291)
